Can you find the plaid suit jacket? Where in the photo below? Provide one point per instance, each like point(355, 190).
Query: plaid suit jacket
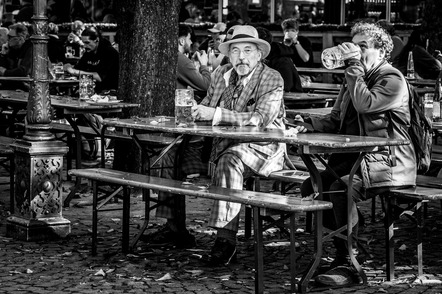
point(262, 98)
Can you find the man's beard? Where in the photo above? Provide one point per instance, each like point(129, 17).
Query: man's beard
point(242, 69)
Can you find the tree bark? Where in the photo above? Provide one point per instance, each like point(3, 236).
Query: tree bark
point(148, 48)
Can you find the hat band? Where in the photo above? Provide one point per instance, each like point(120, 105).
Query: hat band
point(242, 36)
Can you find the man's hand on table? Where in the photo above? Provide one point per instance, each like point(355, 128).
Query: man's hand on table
point(203, 113)
point(297, 126)
point(68, 68)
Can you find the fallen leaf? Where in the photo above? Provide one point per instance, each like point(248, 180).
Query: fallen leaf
point(225, 277)
point(195, 272)
point(100, 273)
point(403, 247)
point(165, 277)
point(29, 271)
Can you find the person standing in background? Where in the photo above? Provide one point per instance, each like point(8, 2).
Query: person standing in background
point(188, 75)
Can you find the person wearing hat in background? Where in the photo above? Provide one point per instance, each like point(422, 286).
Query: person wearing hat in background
point(243, 92)
point(217, 37)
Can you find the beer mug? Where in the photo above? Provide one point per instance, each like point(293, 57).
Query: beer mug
point(288, 37)
point(183, 106)
point(334, 57)
point(87, 86)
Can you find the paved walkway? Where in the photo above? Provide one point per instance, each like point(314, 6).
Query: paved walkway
point(67, 266)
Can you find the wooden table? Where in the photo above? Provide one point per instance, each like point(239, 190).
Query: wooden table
point(297, 100)
point(69, 107)
point(310, 112)
point(308, 144)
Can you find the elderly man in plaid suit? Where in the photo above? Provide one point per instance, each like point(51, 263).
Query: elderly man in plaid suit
point(243, 92)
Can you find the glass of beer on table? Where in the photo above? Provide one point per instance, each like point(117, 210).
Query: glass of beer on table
point(183, 107)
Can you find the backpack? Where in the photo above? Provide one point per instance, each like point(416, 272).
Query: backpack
point(420, 130)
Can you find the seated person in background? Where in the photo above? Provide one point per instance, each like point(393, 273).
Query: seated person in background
point(216, 38)
point(297, 47)
point(55, 47)
point(4, 60)
point(187, 73)
point(19, 57)
point(74, 45)
point(26, 11)
point(243, 92)
point(100, 59)
point(398, 44)
point(283, 64)
point(376, 92)
point(425, 65)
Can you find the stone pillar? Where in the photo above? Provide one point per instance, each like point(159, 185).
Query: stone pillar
point(38, 158)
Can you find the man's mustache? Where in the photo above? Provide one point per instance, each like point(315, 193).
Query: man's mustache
point(241, 63)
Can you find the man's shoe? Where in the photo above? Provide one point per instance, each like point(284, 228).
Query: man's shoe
point(223, 252)
point(164, 236)
point(338, 276)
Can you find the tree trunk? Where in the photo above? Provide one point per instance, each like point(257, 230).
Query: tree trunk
point(148, 48)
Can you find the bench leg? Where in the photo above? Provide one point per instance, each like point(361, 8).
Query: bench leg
point(146, 199)
point(293, 253)
point(126, 218)
point(389, 236)
point(11, 184)
point(94, 217)
point(319, 229)
point(259, 251)
point(419, 227)
point(247, 222)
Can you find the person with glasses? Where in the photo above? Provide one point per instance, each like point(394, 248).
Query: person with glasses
point(19, 54)
point(242, 92)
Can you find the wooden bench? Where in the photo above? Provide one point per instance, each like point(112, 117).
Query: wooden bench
point(427, 189)
point(7, 162)
point(256, 200)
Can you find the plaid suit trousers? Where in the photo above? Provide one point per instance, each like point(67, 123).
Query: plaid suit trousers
point(192, 164)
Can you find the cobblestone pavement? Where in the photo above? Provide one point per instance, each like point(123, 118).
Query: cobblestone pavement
point(67, 266)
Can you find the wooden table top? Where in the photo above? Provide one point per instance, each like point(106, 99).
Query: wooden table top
point(310, 112)
point(65, 102)
point(311, 142)
point(290, 96)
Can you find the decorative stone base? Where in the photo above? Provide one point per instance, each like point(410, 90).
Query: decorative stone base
point(37, 229)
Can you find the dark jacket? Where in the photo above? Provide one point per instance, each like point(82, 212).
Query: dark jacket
point(105, 61)
point(376, 96)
